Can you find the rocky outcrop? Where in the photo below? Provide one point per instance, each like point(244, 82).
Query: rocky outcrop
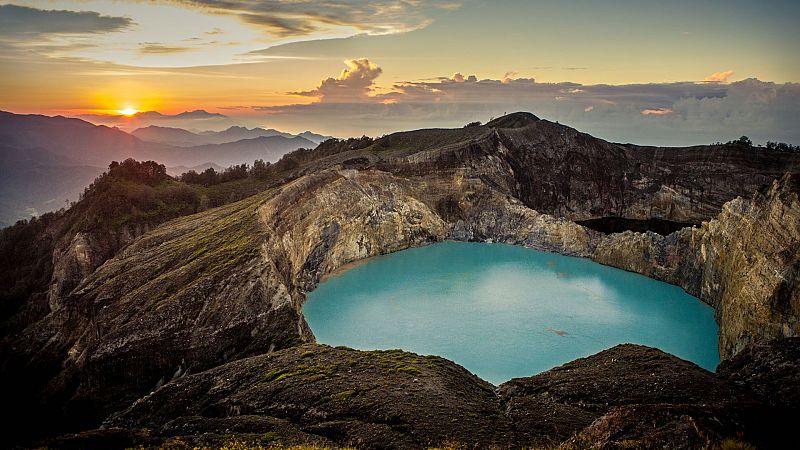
point(380, 399)
point(768, 370)
point(121, 332)
point(620, 394)
point(77, 258)
point(393, 399)
point(745, 263)
point(560, 171)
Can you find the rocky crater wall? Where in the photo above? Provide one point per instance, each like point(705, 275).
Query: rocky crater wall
point(227, 284)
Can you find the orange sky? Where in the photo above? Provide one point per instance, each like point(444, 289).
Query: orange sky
point(95, 56)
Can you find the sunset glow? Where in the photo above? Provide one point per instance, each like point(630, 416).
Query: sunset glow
point(128, 111)
point(697, 72)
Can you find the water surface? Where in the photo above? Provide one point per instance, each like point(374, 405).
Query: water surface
point(503, 311)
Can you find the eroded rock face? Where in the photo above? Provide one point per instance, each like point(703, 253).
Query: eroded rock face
point(563, 172)
point(745, 263)
point(122, 332)
point(84, 253)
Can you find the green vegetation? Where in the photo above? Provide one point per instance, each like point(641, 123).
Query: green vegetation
point(734, 444)
point(26, 253)
point(782, 147)
point(406, 143)
point(746, 143)
point(406, 369)
point(398, 361)
point(228, 237)
point(341, 396)
point(132, 192)
point(313, 373)
point(133, 196)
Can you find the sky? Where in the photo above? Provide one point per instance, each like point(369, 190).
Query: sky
point(649, 72)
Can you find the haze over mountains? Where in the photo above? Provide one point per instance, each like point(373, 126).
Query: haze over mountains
point(184, 138)
point(198, 119)
point(46, 161)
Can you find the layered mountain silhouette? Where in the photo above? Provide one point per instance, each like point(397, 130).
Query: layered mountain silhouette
point(198, 119)
point(184, 138)
point(47, 161)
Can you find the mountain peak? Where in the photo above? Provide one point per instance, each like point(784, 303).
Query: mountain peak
point(514, 120)
point(197, 113)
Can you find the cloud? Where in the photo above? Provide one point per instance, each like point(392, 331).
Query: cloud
point(719, 77)
point(354, 83)
point(155, 48)
point(458, 77)
point(305, 17)
point(687, 112)
point(25, 22)
point(657, 112)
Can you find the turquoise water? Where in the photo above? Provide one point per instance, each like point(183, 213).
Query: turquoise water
point(503, 311)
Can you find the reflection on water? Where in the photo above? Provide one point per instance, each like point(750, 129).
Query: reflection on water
point(504, 311)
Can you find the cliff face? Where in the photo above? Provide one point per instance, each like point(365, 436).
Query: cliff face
point(210, 288)
point(217, 296)
point(563, 172)
point(745, 263)
point(84, 253)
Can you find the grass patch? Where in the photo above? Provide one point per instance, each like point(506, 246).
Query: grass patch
point(340, 396)
point(406, 369)
point(313, 373)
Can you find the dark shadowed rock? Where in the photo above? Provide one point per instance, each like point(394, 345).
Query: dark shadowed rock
point(394, 399)
point(379, 399)
point(770, 370)
point(554, 405)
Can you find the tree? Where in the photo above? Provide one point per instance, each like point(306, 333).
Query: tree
point(259, 169)
point(782, 147)
point(743, 142)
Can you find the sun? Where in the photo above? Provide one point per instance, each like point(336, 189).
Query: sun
point(128, 111)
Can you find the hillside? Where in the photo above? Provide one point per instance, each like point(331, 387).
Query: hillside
point(218, 294)
point(48, 161)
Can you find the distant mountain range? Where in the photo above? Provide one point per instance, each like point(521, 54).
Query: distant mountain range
point(198, 119)
point(184, 138)
point(46, 161)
